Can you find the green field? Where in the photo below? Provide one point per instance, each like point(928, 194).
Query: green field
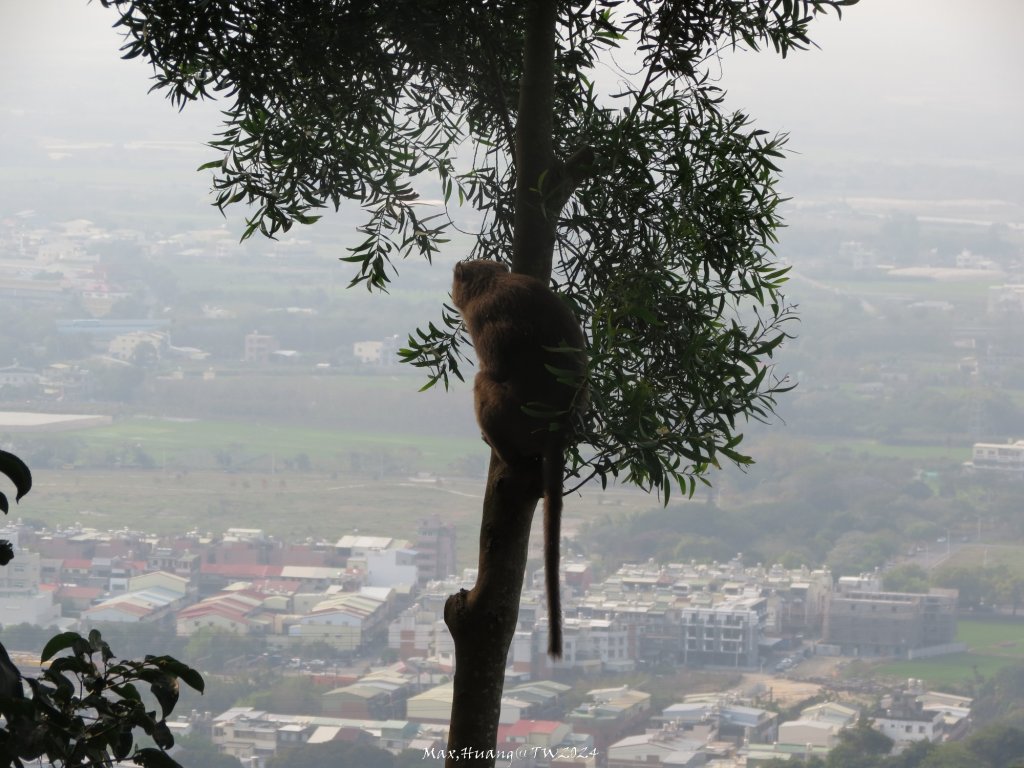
point(290, 505)
point(920, 287)
point(878, 449)
point(992, 645)
point(295, 482)
point(195, 443)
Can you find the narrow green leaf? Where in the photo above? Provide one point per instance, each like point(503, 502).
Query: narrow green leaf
point(58, 643)
point(19, 473)
point(154, 758)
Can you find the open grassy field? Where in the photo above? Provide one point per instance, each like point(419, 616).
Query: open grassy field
point(196, 443)
point(355, 469)
point(992, 645)
point(879, 449)
point(290, 505)
point(962, 288)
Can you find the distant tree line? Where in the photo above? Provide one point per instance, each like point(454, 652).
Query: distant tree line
point(980, 588)
point(852, 512)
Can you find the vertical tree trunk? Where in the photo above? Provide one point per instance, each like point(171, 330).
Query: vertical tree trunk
point(533, 239)
point(483, 620)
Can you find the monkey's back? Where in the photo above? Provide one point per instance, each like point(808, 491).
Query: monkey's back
point(521, 331)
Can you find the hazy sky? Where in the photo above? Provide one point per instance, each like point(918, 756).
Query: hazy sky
point(895, 80)
point(940, 78)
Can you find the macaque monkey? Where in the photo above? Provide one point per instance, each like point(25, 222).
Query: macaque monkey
point(530, 386)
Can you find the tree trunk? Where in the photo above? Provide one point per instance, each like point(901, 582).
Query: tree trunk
point(533, 238)
point(483, 620)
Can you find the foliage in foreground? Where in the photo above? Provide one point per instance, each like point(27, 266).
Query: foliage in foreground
point(18, 473)
point(86, 706)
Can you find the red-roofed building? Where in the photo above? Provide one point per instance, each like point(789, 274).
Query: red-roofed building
point(129, 609)
point(546, 734)
point(225, 618)
point(75, 569)
point(311, 555)
point(74, 599)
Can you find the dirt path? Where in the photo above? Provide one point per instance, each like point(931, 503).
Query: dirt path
point(796, 685)
point(781, 690)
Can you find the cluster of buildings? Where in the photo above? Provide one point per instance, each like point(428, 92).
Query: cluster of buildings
point(402, 707)
point(1006, 301)
point(342, 593)
point(59, 265)
point(722, 615)
point(44, 265)
point(361, 593)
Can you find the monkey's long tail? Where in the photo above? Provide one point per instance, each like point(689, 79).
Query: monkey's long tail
point(552, 477)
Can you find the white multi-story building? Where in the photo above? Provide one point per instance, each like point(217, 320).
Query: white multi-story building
point(919, 727)
point(391, 568)
point(608, 643)
point(21, 599)
point(999, 457)
point(723, 635)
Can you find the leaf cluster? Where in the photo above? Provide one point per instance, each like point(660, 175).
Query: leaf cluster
point(19, 474)
point(333, 101)
point(665, 253)
point(86, 706)
point(670, 264)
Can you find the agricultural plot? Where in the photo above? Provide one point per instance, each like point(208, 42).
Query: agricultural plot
point(992, 645)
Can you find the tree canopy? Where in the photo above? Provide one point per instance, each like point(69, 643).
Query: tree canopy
point(664, 250)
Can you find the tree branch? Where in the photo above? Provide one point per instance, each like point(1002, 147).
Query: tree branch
point(566, 177)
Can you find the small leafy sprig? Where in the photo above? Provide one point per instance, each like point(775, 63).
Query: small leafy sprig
point(19, 474)
point(86, 706)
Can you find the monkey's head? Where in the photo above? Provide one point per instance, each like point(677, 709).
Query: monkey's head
point(473, 278)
